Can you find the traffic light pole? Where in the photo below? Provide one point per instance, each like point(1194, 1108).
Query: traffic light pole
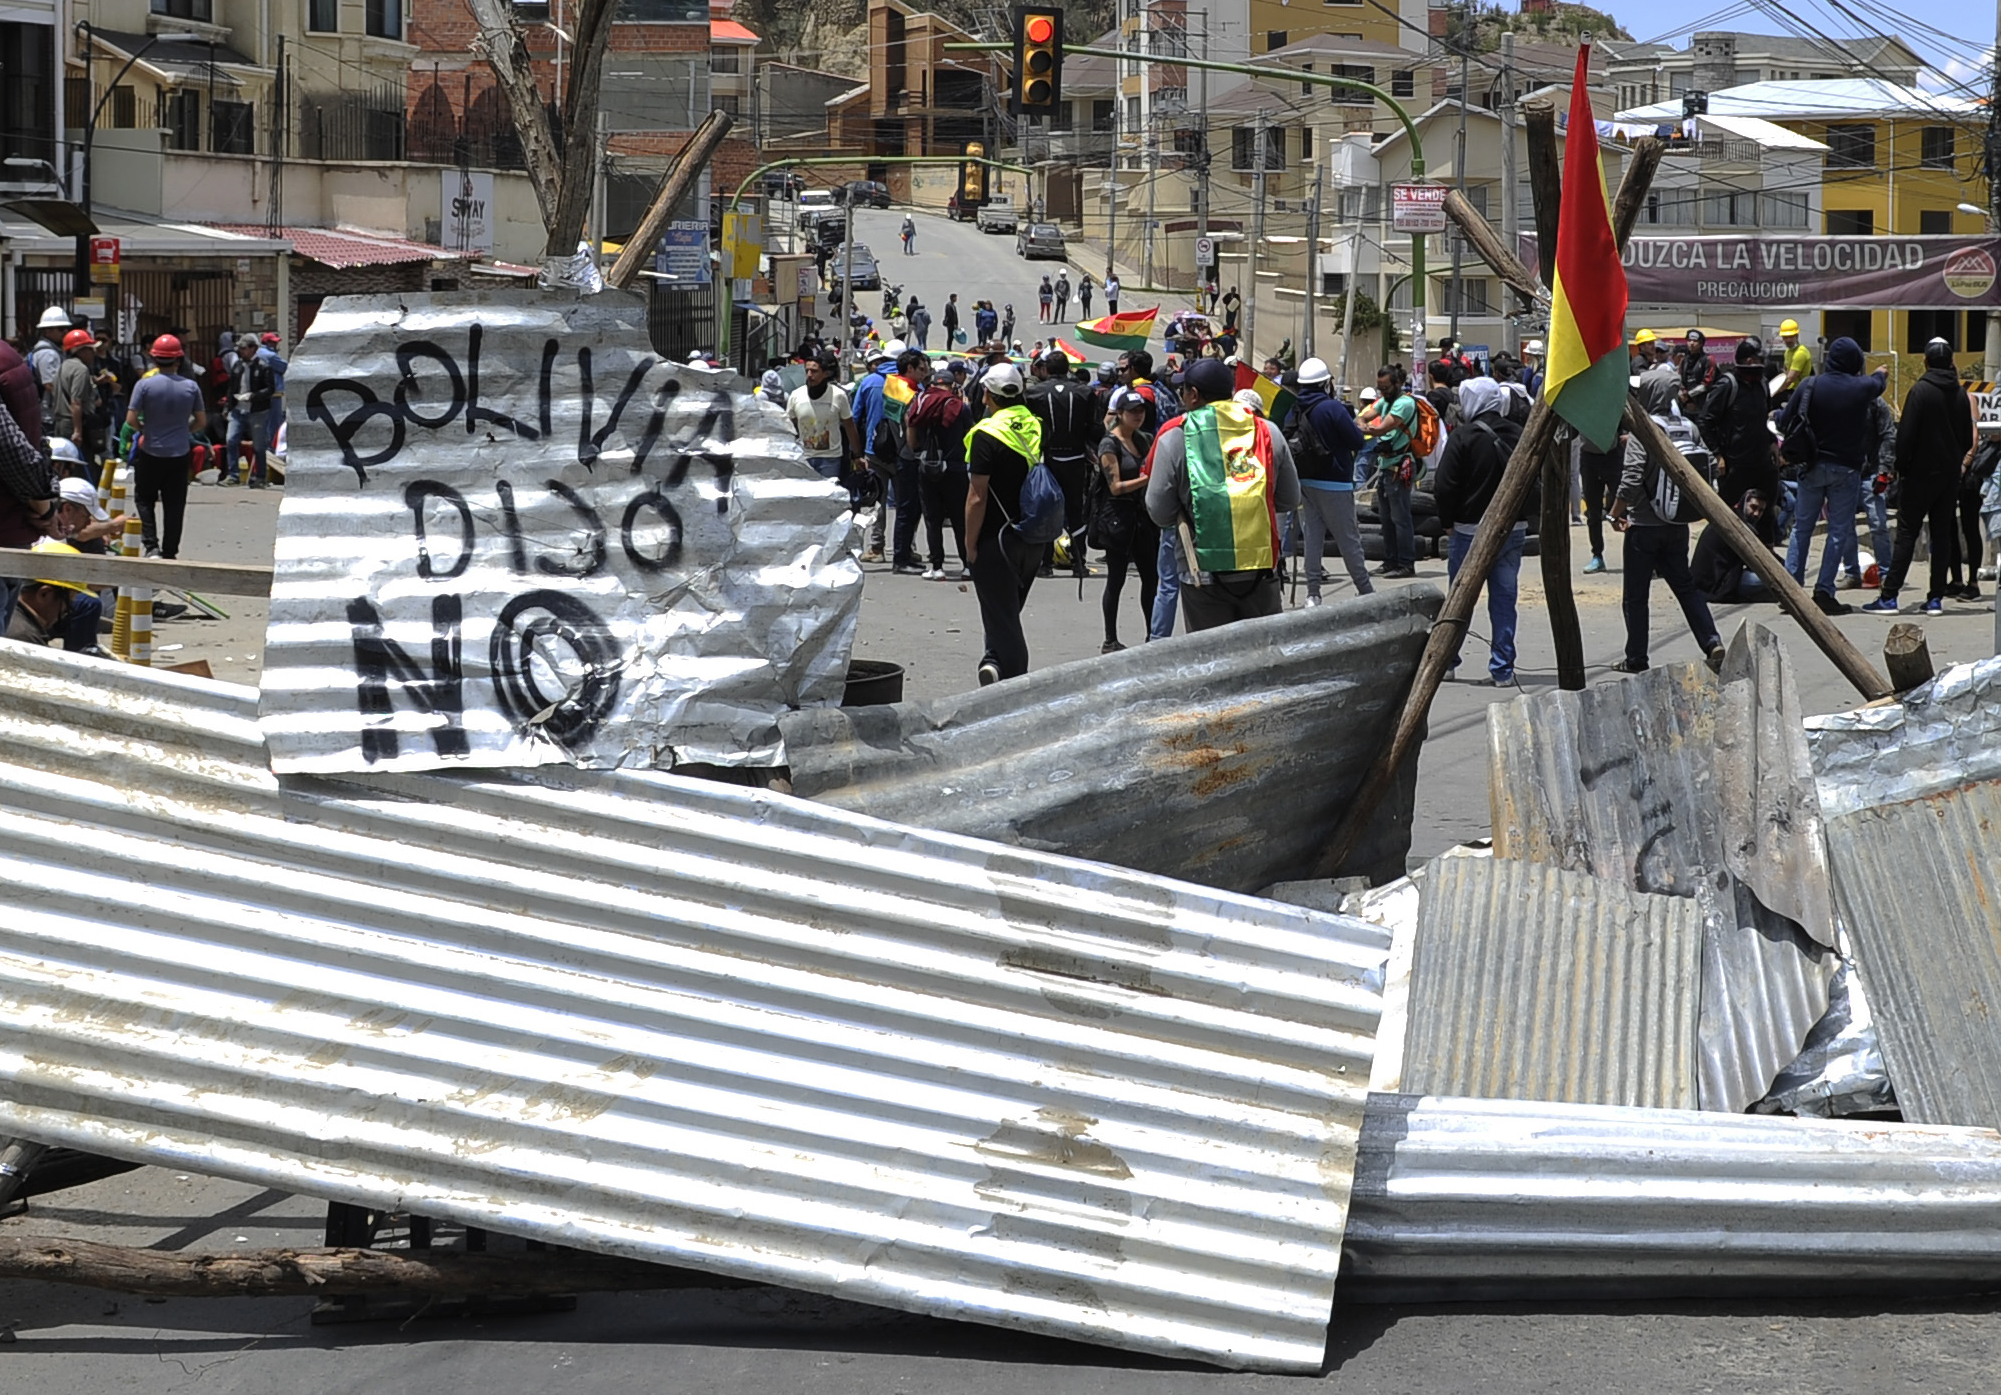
point(1300, 75)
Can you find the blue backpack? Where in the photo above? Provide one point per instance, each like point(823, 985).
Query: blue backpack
point(1042, 507)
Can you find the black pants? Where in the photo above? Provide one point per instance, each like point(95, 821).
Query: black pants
point(1228, 597)
point(1661, 551)
point(161, 479)
point(1933, 501)
point(1970, 543)
point(943, 494)
point(1139, 545)
point(1002, 575)
point(909, 510)
point(1599, 477)
point(1072, 475)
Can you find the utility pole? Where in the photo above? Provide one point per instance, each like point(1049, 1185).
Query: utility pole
point(1312, 266)
point(1247, 344)
point(1118, 137)
point(1202, 154)
point(1993, 168)
point(600, 192)
point(1348, 300)
point(1459, 171)
point(847, 277)
point(1511, 218)
point(1150, 157)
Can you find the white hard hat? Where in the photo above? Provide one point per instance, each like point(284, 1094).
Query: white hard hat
point(1313, 371)
point(895, 348)
point(1369, 394)
point(1248, 399)
point(55, 317)
point(1534, 346)
point(63, 448)
point(1002, 380)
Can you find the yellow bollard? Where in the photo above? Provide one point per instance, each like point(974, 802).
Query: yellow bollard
point(108, 486)
point(121, 625)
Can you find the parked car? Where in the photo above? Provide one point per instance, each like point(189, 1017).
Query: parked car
point(997, 215)
point(863, 193)
point(815, 198)
point(959, 212)
point(1039, 240)
point(867, 276)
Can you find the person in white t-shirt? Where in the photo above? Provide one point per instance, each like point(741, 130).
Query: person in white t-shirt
point(821, 413)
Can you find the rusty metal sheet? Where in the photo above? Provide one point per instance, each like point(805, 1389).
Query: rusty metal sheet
point(665, 1018)
point(1648, 783)
point(1224, 757)
point(1532, 983)
point(512, 535)
point(1919, 883)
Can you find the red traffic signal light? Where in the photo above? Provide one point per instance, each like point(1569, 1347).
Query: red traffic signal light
point(1038, 62)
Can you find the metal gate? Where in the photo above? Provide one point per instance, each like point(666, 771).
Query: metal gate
point(36, 288)
point(142, 306)
point(682, 319)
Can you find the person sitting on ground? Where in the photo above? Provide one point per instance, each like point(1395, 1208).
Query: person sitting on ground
point(1720, 572)
point(47, 611)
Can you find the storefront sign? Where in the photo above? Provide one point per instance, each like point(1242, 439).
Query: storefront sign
point(1812, 273)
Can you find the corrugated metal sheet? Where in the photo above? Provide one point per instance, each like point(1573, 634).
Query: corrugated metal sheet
point(512, 535)
point(679, 1021)
point(1531, 983)
point(1944, 734)
point(1483, 1199)
point(1625, 781)
point(1224, 757)
point(1920, 891)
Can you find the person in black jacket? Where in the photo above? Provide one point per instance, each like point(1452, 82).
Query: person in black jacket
point(1836, 405)
point(1734, 422)
point(1934, 444)
point(1469, 471)
point(1072, 426)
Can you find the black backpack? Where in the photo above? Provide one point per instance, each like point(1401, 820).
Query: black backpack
point(1799, 446)
point(1305, 441)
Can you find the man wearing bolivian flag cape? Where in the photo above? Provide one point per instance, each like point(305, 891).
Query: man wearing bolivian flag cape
point(1587, 377)
point(1226, 475)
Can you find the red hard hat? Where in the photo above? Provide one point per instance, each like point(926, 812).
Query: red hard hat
point(166, 346)
point(79, 339)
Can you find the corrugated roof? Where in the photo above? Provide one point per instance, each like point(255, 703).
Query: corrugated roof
point(1816, 100)
point(1920, 889)
point(728, 31)
point(1670, 782)
point(675, 1020)
point(1532, 983)
point(341, 249)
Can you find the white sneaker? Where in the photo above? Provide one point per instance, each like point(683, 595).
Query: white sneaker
point(963, 574)
point(934, 573)
point(1312, 601)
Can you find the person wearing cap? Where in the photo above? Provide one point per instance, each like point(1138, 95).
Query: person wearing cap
point(1227, 476)
point(1935, 442)
point(1071, 430)
point(85, 521)
point(47, 611)
point(45, 358)
point(1324, 439)
point(867, 397)
point(267, 351)
point(1735, 424)
point(73, 399)
point(1798, 358)
point(1120, 523)
point(165, 410)
point(1001, 449)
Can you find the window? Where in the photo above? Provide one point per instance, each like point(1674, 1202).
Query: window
point(384, 18)
point(180, 113)
point(1306, 88)
point(232, 131)
point(1478, 196)
point(1935, 147)
point(1784, 210)
point(1680, 85)
point(1353, 96)
point(1274, 39)
point(1849, 324)
point(1102, 114)
point(1670, 208)
point(1935, 222)
point(1305, 145)
point(124, 107)
point(1403, 84)
point(1729, 208)
point(323, 16)
point(1926, 325)
point(1850, 222)
point(1333, 282)
point(183, 9)
point(727, 102)
point(1851, 147)
point(1243, 149)
point(1471, 300)
point(725, 60)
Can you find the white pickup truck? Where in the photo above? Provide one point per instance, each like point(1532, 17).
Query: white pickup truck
point(996, 215)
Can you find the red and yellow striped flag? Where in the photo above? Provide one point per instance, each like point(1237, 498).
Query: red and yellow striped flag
point(1588, 374)
point(1127, 330)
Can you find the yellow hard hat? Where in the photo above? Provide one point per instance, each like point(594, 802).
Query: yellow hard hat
point(55, 545)
point(1645, 336)
point(1789, 327)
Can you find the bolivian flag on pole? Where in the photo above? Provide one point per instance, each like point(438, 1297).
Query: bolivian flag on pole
point(1588, 374)
point(1278, 399)
point(897, 395)
point(1125, 331)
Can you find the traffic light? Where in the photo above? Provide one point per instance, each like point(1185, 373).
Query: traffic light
point(1038, 62)
point(973, 177)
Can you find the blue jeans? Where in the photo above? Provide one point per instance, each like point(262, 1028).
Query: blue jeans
point(1167, 596)
point(276, 420)
point(909, 511)
point(1839, 490)
point(1393, 511)
point(245, 426)
point(1502, 588)
point(1877, 510)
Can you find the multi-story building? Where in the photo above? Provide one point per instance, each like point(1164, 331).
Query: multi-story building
point(1642, 74)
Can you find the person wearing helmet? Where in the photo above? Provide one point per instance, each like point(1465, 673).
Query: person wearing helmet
point(1799, 358)
point(73, 401)
point(1646, 351)
point(46, 358)
point(165, 410)
point(268, 352)
point(47, 611)
point(1733, 421)
point(1531, 378)
point(1001, 449)
point(1323, 439)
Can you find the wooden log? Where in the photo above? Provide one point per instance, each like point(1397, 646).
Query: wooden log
point(1798, 604)
point(1558, 599)
point(326, 1272)
point(107, 569)
point(1493, 250)
point(1545, 183)
point(505, 47)
point(591, 23)
point(1633, 186)
point(1908, 657)
point(674, 186)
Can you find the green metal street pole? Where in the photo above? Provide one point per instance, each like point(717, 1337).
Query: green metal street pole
point(726, 301)
point(1417, 277)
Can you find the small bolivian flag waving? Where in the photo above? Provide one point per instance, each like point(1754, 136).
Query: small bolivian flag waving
point(1588, 375)
point(1126, 331)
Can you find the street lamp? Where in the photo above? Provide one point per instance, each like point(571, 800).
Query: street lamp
point(90, 130)
point(25, 162)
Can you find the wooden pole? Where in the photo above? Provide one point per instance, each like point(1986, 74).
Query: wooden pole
point(1545, 182)
point(674, 186)
point(505, 46)
point(1553, 551)
point(1493, 250)
point(592, 21)
point(327, 1272)
point(1798, 604)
